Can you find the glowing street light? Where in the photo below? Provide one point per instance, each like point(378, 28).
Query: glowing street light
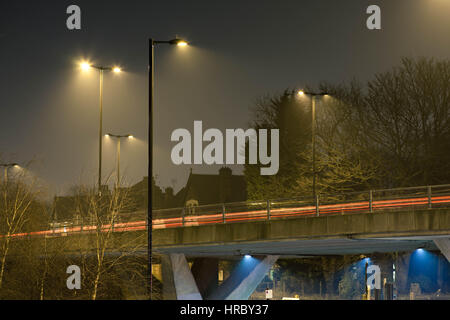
point(182, 43)
point(313, 128)
point(85, 66)
point(151, 67)
point(118, 137)
point(6, 166)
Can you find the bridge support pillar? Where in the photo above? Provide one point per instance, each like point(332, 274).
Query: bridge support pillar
point(244, 279)
point(444, 245)
point(178, 282)
point(168, 286)
point(206, 275)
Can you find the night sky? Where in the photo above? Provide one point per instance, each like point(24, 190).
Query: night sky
point(239, 51)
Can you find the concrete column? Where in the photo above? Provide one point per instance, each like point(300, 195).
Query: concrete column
point(244, 279)
point(401, 273)
point(444, 245)
point(185, 285)
point(178, 282)
point(205, 272)
point(384, 261)
point(168, 285)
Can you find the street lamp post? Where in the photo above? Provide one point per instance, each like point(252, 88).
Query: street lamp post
point(6, 166)
point(129, 136)
point(313, 132)
point(101, 69)
point(151, 79)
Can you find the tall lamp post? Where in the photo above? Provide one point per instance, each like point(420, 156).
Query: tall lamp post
point(86, 66)
point(313, 132)
point(151, 79)
point(118, 137)
point(6, 166)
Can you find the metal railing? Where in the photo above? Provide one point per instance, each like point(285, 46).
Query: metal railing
point(423, 197)
point(370, 201)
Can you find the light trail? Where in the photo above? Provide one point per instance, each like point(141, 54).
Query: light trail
point(243, 216)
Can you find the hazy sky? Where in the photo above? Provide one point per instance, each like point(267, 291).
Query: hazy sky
point(240, 51)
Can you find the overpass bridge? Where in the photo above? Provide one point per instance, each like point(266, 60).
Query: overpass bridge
point(359, 222)
point(387, 220)
point(403, 230)
point(354, 223)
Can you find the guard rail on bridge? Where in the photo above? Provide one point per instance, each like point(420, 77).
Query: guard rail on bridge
point(346, 203)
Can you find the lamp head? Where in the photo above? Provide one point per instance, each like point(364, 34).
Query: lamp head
point(85, 66)
point(178, 42)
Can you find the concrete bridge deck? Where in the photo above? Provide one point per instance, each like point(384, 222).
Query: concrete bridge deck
point(338, 234)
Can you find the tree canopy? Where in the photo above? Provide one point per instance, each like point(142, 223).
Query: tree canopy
point(392, 132)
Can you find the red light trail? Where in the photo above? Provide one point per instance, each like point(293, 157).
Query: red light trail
point(252, 215)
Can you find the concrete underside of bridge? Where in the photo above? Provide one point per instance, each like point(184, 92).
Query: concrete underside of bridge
point(309, 248)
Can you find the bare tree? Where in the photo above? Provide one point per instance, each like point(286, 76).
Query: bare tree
point(402, 120)
point(17, 199)
point(106, 220)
